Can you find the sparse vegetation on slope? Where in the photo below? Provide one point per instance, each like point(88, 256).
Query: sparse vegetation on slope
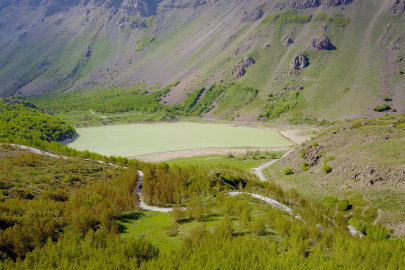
point(143, 42)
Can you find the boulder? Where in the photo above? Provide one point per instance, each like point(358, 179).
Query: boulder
point(253, 15)
point(239, 69)
point(287, 41)
point(321, 43)
point(299, 62)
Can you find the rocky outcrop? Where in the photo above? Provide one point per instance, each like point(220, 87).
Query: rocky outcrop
point(398, 6)
point(321, 43)
point(299, 62)
point(138, 8)
point(287, 41)
point(88, 54)
point(302, 4)
point(180, 4)
point(239, 70)
point(253, 15)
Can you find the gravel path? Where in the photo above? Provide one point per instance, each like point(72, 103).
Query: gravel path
point(259, 170)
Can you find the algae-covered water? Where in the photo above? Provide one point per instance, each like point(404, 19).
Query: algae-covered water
point(143, 139)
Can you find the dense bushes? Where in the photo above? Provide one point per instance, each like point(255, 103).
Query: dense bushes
point(17, 120)
point(27, 224)
point(282, 104)
point(104, 99)
point(381, 108)
point(163, 184)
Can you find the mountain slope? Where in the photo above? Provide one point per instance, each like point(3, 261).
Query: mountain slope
point(48, 47)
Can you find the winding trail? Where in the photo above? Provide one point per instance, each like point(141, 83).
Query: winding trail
point(258, 171)
point(145, 207)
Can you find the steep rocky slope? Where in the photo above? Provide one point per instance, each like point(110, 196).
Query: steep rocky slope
point(354, 51)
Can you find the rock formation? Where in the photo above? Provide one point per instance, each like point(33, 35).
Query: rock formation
point(299, 62)
point(398, 6)
point(239, 69)
point(253, 15)
point(287, 41)
point(321, 43)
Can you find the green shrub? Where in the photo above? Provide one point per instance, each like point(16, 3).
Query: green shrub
point(340, 20)
point(174, 84)
point(326, 160)
point(357, 125)
point(142, 42)
point(370, 214)
point(282, 104)
point(381, 108)
point(377, 232)
point(359, 225)
point(321, 17)
point(315, 144)
point(288, 171)
point(357, 200)
point(346, 90)
point(303, 153)
point(330, 201)
point(326, 169)
point(305, 166)
point(337, 19)
point(387, 98)
point(172, 230)
point(343, 205)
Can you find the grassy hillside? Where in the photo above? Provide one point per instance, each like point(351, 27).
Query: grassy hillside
point(361, 161)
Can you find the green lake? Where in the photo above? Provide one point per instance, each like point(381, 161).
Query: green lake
point(143, 139)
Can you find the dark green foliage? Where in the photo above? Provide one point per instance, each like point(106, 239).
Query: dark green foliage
point(370, 214)
point(387, 98)
point(282, 104)
point(359, 225)
point(330, 201)
point(377, 232)
point(111, 99)
point(305, 166)
point(343, 205)
point(20, 119)
point(346, 90)
point(174, 84)
point(143, 41)
point(326, 169)
point(191, 100)
point(98, 250)
point(340, 20)
point(172, 230)
point(288, 171)
point(290, 16)
point(381, 108)
point(164, 184)
point(326, 160)
point(210, 95)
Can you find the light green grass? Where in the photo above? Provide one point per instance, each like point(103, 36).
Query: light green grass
point(140, 139)
point(220, 159)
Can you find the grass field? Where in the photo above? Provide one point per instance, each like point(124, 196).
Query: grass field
point(242, 162)
point(141, 139)
point(152, 225)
